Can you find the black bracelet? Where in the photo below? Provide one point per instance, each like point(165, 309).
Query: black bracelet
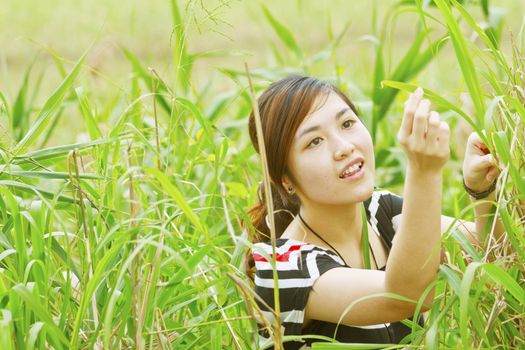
point(483, 194)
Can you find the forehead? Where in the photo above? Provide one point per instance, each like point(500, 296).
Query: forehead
point(326, 104)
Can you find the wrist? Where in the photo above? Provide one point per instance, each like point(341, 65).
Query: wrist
point(480, 194)
point(424, 172)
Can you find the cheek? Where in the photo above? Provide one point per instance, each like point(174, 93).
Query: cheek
point(310, 169)
point(368, 143)
point(315, 177)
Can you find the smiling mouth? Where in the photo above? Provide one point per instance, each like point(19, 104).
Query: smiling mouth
point(353, 169)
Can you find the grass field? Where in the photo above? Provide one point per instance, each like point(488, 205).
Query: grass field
point(126, 167)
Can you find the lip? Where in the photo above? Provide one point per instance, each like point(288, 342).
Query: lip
point(356, 175)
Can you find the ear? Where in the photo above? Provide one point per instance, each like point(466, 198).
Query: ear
point(286, 183)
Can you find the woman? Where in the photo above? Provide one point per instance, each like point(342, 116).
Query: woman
point(321, 164)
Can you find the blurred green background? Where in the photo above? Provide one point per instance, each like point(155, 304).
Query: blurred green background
point(173, 195)
point(231, 32)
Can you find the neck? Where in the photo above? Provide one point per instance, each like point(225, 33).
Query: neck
point(335, 224)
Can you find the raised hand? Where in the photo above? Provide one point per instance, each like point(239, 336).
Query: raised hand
point(423, 136)
point(480, 168)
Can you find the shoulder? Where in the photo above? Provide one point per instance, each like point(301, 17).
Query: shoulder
point(383, 199)
point(294, 259)
point(383, 203)
point(298, 265)
point(383, 209)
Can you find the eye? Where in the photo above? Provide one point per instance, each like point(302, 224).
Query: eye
point(348, 123)
point(314, 142)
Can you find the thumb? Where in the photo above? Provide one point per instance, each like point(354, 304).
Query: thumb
point(492, 174)
point(479, 163)
point(488, 160)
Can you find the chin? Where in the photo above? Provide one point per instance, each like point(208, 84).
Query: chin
point(363, 193)
point(357, 195)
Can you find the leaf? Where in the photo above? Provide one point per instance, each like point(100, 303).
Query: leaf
point(502, 278)
point(485, 7)
point(182, 61)
point(494, 31)
point(502, 146)
point(435, 98)
point(102, 268)
point(190, 106)
point(49, 109)
point(354, 346)
point(37, 307)
point(192, 262)
point(464, 58)
point(50, 175)
point(410, 65)
point(92, 126)
point(20, 113)
point(58, 151)
point(464, 300)
point(491, 44)
point(177, 196)
point(34, 331)
point(6, 331)
point(149, 80)
point(32, 189)
point(283, 33)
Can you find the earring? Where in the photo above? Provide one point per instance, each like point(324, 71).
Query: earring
point(288, 189)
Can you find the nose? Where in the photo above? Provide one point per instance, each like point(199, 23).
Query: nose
point(342, 148)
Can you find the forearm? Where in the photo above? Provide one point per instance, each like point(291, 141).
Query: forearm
point(484, 211)
point(414, 259)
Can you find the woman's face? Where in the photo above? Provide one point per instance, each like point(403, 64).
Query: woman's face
point(332, 156)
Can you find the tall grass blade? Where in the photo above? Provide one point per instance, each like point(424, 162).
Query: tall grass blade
point(440, 101)
point(182, 61)
point(283, 33)
point(49, 109)
point(464, 59)
point(178, 197)
point(20, 119)
point(39, 191)
point(46, 154)
point(92, 126)
point(6, 330)
point(56, 336)
point(271, 218)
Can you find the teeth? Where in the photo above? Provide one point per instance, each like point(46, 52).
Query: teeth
point(352, 169)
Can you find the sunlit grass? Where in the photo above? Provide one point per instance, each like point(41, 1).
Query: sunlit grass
point(131, 238)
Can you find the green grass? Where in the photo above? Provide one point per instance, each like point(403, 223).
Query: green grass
point(130, 236)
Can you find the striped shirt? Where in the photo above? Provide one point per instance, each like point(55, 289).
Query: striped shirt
point(299, 265)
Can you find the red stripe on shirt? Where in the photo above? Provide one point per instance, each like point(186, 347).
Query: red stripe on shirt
point(284, 257)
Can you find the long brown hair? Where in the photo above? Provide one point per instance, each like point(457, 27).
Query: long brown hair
point(282, 107)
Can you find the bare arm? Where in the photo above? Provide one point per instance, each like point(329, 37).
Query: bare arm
point(415, 253)
point(414, 258)
point(479, 170)
point(476, 231)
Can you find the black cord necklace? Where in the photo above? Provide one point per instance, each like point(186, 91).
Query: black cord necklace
point(332, 247)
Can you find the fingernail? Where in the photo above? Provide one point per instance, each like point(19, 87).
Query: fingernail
point(419, 92)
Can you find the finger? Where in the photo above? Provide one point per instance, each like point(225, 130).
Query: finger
point(476, 144)
point(421, 119)
point(433, 126)
point(489, 160)
point(408, 115)
point(444, 135)
point(485, 162)
point(492, 174)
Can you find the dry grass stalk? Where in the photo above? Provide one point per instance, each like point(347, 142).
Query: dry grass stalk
point(269, 203)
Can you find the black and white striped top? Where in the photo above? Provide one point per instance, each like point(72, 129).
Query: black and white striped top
point(299, 264)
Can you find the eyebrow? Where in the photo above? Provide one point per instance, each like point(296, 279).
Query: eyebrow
point(337, 116)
